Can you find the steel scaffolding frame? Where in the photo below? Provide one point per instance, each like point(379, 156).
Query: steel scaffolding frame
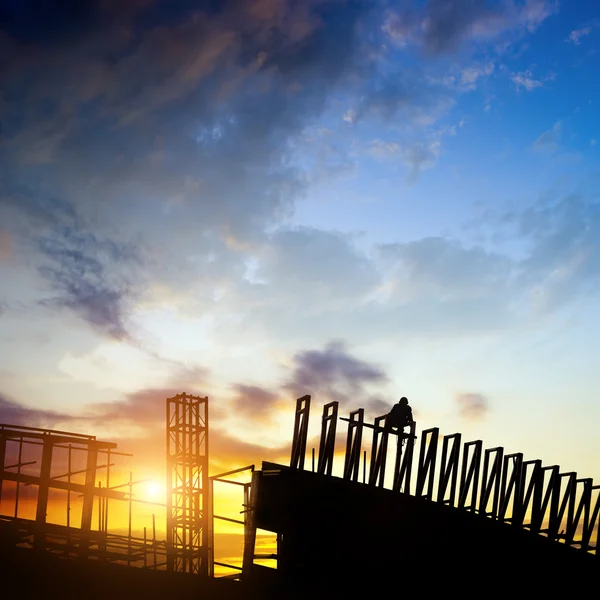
point(188, 489)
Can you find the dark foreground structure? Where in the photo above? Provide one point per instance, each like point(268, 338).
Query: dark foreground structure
point(447, 517)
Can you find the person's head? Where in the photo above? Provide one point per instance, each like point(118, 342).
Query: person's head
point(403, 401)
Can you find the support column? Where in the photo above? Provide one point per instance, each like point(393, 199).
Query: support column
point(44, 487)
point(2, 455)
point(88, 497)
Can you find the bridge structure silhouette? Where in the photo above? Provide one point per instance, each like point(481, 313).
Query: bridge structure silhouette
point(414, 502)
point(505, 487)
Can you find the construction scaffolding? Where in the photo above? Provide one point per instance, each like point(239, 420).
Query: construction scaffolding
point(35, 463)
point(189, 519)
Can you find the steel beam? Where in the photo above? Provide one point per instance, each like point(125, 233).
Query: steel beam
point(469, 475)
point(43, 490)
point(327, 441)
point(426, 464)
point(449, 469)
point(378, 452)
point(491, 481)
point(353, 444)
point(300, 433)
point(2, 460)
point(404, 459)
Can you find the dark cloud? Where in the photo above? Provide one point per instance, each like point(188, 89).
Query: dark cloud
point(445, 25)
point(377, 406)
point(13, 413)
point(334, 372)
point(254, 403)
point(87, 275)
point(472, 406)
point(166, 122)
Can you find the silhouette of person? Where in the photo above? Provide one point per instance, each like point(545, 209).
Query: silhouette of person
point(400, 416)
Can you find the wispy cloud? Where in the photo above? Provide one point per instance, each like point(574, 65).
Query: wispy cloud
point(333, 371)
point(88, 277)
point(472, 406)
point(577, 34)
point(549, 140)
point(526, 80)
point(470, 75)
point(445, 25)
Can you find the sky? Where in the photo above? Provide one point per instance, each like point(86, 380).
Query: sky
point(252, 201)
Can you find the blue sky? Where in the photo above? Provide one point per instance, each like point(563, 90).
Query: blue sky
point(257, 200)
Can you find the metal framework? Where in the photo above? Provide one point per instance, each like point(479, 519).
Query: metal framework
point(45, 462)
point(404, 459)
point(248, 522)
point(449, 469)
point(188, 490)
point(353, 444)
point(427, 457)
point(327, 441)
point(508, 488)
point(378, 452)
point(300, 432)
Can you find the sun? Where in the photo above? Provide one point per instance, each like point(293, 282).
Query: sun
point(154, 491)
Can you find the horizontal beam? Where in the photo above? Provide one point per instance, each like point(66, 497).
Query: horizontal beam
point(228, 566)
point(237, 521)
point(38, 430)
point(63, 485)
point(227, 473)
point(371, 426)
point(55, 439)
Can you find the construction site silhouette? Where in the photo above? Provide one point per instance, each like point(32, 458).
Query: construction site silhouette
point(448, 516)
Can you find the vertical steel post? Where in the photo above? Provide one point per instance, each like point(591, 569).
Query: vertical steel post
point(404, 460)
point(378, 452)
point(353, 445)
point(491, 480)
point(449, 468)
point(2, 457)
point(43, 491)
point(469, 475)
point(426, 464)
point(300, 433)
point(327, 441)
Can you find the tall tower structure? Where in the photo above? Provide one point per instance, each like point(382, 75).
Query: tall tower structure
point(188, 491)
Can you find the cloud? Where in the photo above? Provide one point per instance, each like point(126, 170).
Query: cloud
point(164, 125)
point(308, 269)
point(441, 26)
point(255, 403)
point(472, 406)
point(86, 274)
point(5, 246)
point(549, 140)
point(421, 156)
point(444, 268)
point(13, 413)
point(565, 258)
point(333, 371)
point(526, 80)
point(416, 156)
point(470, 75)
point(576, 35)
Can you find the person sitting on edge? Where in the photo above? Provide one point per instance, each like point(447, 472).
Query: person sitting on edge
point(400, 416)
